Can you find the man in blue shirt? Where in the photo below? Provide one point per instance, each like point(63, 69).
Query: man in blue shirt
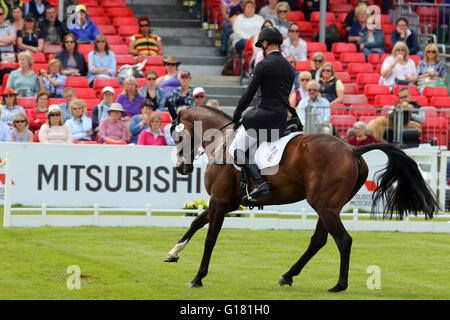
point(82, 27)
point(314, 109)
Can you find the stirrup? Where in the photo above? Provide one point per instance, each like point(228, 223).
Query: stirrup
point(260, 190)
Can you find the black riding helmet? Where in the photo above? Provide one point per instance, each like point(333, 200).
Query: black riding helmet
point(271, 35)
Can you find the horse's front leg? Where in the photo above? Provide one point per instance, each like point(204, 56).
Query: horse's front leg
point(196, 224)
point(217, 215)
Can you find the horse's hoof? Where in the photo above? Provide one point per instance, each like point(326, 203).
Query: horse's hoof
point(337, 288)
point(283, 281)
point(195, 285)
point(170, 258)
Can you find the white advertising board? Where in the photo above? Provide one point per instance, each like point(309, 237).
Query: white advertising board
point(122, 176)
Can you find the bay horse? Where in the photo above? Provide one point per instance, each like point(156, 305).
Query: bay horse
point(321, 168)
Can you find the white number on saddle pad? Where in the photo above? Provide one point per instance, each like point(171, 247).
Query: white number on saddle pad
point(179, 127)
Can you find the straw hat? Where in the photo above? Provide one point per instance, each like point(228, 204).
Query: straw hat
point(171, 59)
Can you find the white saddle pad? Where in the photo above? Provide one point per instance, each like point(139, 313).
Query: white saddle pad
point(269, 154)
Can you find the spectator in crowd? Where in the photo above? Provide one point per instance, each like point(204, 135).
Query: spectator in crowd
point(152, 92)
point(30, 37)
point(54, 30)
point(5, 133)
point(354, 35)
point(69, 8)
point(281, 22)
point(10, 106)
point(213, 103)
point(68, 94)
point(82, 27)
point(199, 95)
point(181, 96)
point(418, 115)
point(257, 51)
point(294, 97)
point(38, 115)
point(145, 42)
point(152, 136)
point(102, 61)
point(404, 34)
point(294, 45)
point(171, 79)
point(130, 98)
point(309, 6)
point(17, 18)
point(54, 130)
point(229, 9)
point(350, 18)
point(398, 68)
point(20, 132)
point(23, 80)
point(8, 6)
point(331, 88)
point(37, 9)
point(431, 70)
point(320, 107)
point(52, 79)
point(372, 39)
point(317, 61)
point(72, 61)
point(269, 11)
point(100, 111)
point(246, 25)
point(7, 35)
point(360, 137)
point(140, 121)
point(303, 78)
point(113, 129)
point(80, 124)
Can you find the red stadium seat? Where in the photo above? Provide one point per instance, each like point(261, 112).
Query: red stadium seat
point(127, 31)
point(39, 66)
point(362, 79)
point(153, 60)
point(296, 16)
point(85, 93)
point(435, 92)
point(413, 89)
point(435, 130)
point(430, 112)
point(340, 47)
point(119, 49)
point(109, 29)
point(343, 123)
point(350, 88)
point(351, 57)
point(385, 100)
point(119, 12)
point(56, 101)
point(366, 110)
point(316, 46)
point(338, 109)
point(303, 65)
point(344, 77)
point(39, 57)
point(165, 116)
point(350, 99)
point(329, 56)
point(122, 59)
point(421, 100)
point(85, 48)
point(27, 102)
point(124, 21)
point(337, 66)
point(356, 68)
point(306, 30)
point(440, 102)
point(114, 3)
point(77, 82)
point(96, 12)
point(101, 21)
point(372, 90)
point(91, 103)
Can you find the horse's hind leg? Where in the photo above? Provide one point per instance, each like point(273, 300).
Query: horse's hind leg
point(196, 224)
point(334, 226)
point(318, 240)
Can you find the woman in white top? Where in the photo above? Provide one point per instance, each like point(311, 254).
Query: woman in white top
point(398, 68)
point(269, 11)
point(246, 25)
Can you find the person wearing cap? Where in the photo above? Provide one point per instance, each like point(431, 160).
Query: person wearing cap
point(153, 92)
point(246, 25)
point(80, 124)
point(82, 27)
point(100, 111)
point(141, 121)
point(101, 61)
point(54, 130)
point(145, 42)
point(199, 96)
point(52, 79)
point(171, 79)
point(10, 106)
point(7, 34)
point(113, 129)
point(274, 75)
point(37, 9)
point(181, 96)
point(30, 37)
point(38, 115)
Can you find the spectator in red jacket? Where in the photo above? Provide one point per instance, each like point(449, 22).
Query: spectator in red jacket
point(361, 137)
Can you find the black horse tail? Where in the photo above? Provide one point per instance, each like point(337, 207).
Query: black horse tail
point(401, 188)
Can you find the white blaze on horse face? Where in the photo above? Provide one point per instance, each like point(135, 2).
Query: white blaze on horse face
point(178, 247)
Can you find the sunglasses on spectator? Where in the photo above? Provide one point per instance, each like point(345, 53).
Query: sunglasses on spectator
point(403, 97)
point(170, 64)
point(77, 108)
point(318, 60)
point(185, 77)
point(8, 95)
point(313, 90)
point(20, 121)
point(69, 41)
point(431, 51)
point(149, 79)
point(326, 70)
point(304, 79)
point(199, 96)
point(282, 11)
point(143, 25)
point(100, 41)
point(294, 30)
point(54, 115)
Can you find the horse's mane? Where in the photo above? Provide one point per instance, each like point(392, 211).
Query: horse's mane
point(218, 111)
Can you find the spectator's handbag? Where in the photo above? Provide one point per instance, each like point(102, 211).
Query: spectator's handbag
point(8, 57)
point(430, 82)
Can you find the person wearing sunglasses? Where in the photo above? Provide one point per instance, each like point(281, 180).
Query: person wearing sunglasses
point(20, 132)
point(431, 70)
point(82, 27)
point(54, 130)
point(331, 88)
point(145, 42)
point(102, 61)
point(281, 22)
point(294, 45)
point(5, 131)
point(314, 110)
point(317, 61)
point(398, 68)
point(10, 106)
point(171, 79)
point(79, 124)
point(152, 92)
point(199, 96)
point(73, 62)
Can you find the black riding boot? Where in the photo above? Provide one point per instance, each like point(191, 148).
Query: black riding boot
point(262, 187)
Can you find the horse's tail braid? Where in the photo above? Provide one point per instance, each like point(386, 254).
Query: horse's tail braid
point(401, 188)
